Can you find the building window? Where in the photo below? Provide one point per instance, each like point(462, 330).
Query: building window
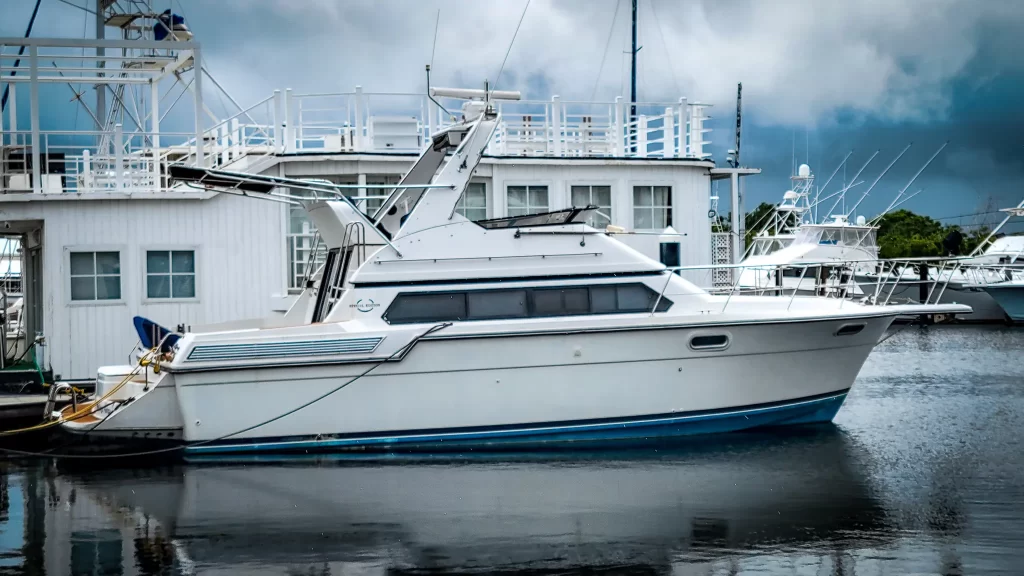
point(376, 196)
point(600, 196)
point(302, 244)
point(473, 204)
point(95, 276)
point(170, 274)
point(524, 200)
point(652, 207)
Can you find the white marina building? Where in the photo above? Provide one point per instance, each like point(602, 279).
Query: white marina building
point(105, 236)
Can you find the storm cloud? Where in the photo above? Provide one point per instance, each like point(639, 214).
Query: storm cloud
point(820, 77)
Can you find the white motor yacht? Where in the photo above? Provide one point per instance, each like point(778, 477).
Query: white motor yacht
point(437, 332)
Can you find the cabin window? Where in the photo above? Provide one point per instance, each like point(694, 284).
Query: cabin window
point(170, 274)
point(568, 301)
point(600, 196)
point(409, 308)
point(473, 204)
point(427, 307)
point(95, 276)
point(527, 200)
point(709, 342)
point(496, 304)
point(652, 207)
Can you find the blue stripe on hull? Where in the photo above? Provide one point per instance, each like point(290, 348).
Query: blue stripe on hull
point(633, 430)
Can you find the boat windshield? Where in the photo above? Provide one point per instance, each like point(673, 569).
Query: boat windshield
point(568, 216)
point(807, 236)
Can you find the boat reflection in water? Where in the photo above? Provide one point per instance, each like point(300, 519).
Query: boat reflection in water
point(739, 499)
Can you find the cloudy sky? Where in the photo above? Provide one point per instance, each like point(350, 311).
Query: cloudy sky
point(820, 77)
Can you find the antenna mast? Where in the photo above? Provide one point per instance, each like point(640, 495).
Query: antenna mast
point(632, 82)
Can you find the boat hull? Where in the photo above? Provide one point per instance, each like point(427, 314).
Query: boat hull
point(523, 391)
point(1010, 298)
point(534, 391)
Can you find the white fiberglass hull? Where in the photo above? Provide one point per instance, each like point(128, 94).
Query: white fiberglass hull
point(530, 390)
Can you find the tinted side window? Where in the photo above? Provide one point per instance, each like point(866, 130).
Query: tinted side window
point(561, 301)
point(496, 304)
point(427, 307)
point(625, 298)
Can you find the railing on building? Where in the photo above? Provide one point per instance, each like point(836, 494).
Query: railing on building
point(119, 159)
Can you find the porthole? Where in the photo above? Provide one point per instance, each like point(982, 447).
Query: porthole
point(709, 342)
point(850, 329)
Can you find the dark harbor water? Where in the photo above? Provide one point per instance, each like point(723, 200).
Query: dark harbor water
point(922, 473)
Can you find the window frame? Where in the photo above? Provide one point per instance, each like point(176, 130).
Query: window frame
point(590, 184)
point(663, 303)
point(144, 266)
point(652, 185)
point(121, 250)
point(530, 209)
point(709, 347)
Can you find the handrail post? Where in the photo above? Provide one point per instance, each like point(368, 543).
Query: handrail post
point(641, 136)
point(735, 287)
point(236, 139)
point(668, 141)
point(662, 293)
point(223, 137)
point(360, 107)
point(86, 174)
point(792, 297)
point(286, 123)
point(118, 157)
point(277, 142)
point(556, 125)
point(618, 148)
point(682, 128)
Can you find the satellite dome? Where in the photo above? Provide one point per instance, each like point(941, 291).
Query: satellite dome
point(860, 220)
point(804, 171)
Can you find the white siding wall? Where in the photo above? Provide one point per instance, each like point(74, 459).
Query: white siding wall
point(690, 197)
point(239, 246)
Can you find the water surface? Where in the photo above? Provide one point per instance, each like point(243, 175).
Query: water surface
point(923, 472)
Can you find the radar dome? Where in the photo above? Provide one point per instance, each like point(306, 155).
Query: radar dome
point(790, 195)
point(804, 170)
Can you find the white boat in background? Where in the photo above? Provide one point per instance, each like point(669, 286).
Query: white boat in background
point(437, 332)
point(997, 263)
point(791, 253)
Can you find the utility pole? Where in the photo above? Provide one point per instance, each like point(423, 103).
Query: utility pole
point(742, 232)
point(632, 83)
point(101, 89)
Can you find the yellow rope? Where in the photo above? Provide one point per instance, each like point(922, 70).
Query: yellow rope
point(143, 361)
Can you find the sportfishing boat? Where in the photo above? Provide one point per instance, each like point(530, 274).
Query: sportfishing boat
point(819, 259)
point(996, 263)
point(424, 330)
